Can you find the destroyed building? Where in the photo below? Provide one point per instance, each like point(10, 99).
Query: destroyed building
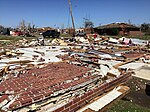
point(58, 84)
point(68, 76)
point(122, 29)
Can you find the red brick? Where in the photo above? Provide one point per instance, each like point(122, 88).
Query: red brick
point(94, 94)
point(26, 101)
point(77, 99)
point(59, 109)
point(2, 89)
point(65, 110)
point(75, 109)
point(82, 102)
point(65, 86)
point(74, 83)
point(90, 97)
point(100, 91)
point(57, 88)
point(89, 93)
point(48, 94)
point(83, 96)
point(87, 99)
point(68, 104)
point(3, 98)
point(38, 97)
point(25, 97)
point(73, 106)
point(15, 105)
point(95, 90)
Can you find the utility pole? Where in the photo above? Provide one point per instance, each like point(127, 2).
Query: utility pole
point(71, 15)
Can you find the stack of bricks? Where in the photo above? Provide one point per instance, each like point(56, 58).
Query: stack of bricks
point(81, 101)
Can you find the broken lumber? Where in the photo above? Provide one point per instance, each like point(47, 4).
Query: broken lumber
point(127, 61)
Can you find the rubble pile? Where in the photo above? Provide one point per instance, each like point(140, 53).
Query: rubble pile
point(57, 82)
point(38, 84)
point(50, 77)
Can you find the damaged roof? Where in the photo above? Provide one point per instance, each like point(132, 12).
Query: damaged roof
point(117, 25)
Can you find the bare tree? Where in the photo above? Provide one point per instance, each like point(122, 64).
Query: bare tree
point(29, 26)
point(22, 25)
point(88, 23)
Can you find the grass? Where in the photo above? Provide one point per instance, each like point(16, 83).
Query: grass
point(65, 35)
point(14, 38)
point(2, 37)
point(6, 41)
point(127, 106)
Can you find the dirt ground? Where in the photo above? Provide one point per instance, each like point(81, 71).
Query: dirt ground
point(136, 100)
point(137, 94)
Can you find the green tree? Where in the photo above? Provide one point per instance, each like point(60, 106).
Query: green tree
point(145, 27)
point(88, 23)
point(115, 31)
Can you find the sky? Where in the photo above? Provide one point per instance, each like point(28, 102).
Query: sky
point(55, 13)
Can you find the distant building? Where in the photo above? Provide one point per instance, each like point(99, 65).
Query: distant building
point(69, 31)
point(79, 30)
point(44, 29)
point(122, 29)
point(88, 30)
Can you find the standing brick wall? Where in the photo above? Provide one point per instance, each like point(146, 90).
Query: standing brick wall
point(132, 33)
point(81, 101)
point(136, 33)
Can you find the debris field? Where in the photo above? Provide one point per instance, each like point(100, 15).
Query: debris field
point(66, 75)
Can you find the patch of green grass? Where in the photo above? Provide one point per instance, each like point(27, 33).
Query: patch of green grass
point(5, 43)
point(127, 106)
point(15, 38)
point(65, 35)
point(3, 37)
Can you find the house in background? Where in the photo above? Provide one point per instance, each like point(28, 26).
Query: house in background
point(122, 29)
point(71, 30)
point(86, 30)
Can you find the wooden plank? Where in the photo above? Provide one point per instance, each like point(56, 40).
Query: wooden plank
point(20, 62)
point(4, 70)
point(127, 61)
point(125, 92)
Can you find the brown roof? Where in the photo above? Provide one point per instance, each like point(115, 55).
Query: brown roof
point(117, 25)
